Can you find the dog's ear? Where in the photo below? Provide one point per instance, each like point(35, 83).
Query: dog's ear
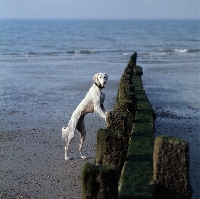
point(106, 76)
point(95, 78)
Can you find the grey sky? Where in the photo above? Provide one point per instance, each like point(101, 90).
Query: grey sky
point(134, 9)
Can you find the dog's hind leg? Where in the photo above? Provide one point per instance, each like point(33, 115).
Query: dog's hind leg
point(70, 137)
point(71, 128)
point(81, 128)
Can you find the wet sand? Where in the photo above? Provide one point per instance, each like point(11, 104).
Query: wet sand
point(32, 152)
point(175, 96)
point(33, 165)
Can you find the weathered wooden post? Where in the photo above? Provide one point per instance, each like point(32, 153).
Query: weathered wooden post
point(171, 168)
point(99, 182)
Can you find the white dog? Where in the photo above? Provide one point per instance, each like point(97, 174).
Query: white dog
point(93, 101)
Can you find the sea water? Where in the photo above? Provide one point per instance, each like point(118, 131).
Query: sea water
point(46, 66)
point(156, 41)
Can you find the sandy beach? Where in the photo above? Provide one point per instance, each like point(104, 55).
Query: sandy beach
point(32, 156)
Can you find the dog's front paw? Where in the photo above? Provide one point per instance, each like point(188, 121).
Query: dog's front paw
point(83, 157)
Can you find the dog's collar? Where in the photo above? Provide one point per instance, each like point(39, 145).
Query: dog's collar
point(99, 86)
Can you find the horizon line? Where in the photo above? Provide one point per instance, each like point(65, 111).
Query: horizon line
point(47, 18)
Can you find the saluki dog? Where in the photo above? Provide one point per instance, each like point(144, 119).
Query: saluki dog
point(93, 101)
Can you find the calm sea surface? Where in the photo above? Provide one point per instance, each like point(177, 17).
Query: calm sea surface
point(157, 41)
point(51, 63)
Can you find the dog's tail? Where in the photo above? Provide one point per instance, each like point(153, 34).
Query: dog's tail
point(65, 133)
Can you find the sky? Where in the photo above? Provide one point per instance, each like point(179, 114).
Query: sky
point(100, 9)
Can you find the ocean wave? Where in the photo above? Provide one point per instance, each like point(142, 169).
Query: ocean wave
point(10, 55)
point(82, 51)
point(127, 54)
point(172, 54)
point(194, 50)
point(53, 53)
point(31, 54)
point(181, 50)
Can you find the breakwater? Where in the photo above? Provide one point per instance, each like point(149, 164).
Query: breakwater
point(130, 162)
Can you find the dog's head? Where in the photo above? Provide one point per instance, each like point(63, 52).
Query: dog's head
point(100, 79)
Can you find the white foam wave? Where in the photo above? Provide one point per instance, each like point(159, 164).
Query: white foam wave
point(181, 50)
point(126, 54)
point(83, 51)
